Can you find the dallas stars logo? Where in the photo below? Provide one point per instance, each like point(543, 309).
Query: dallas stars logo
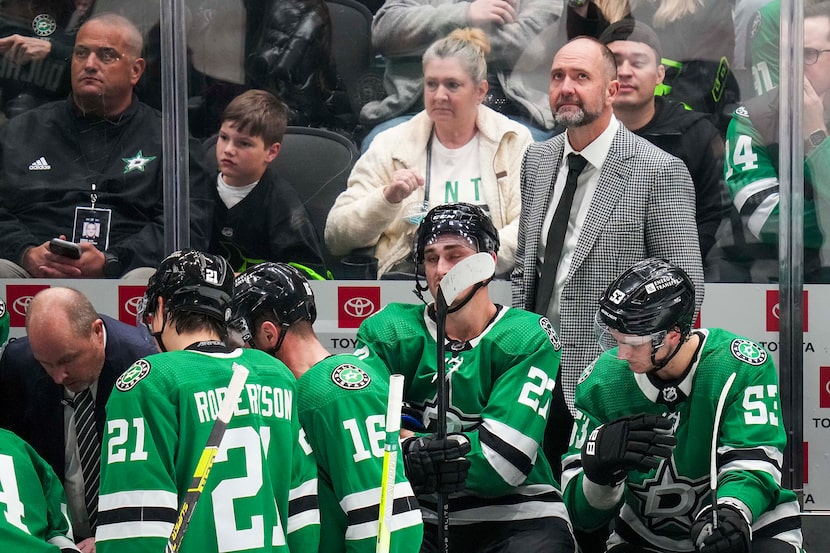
point(349, 377)
point(136, 163)
point(133, 375)
point(669, 500)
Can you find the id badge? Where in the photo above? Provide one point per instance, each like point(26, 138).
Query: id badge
point(92, 225)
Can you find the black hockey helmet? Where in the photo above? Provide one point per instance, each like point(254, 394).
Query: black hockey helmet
point(191, 281)
point(462, 219)
point(652, 297)
point(277, 286)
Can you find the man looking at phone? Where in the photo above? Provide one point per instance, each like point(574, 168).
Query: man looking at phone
point(94, 158)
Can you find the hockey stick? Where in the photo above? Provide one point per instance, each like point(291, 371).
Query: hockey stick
point(465, 273)
point(200, 476)
point(713, 466)
point(390, 462)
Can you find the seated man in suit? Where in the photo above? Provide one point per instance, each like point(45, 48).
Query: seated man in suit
point(69, 349)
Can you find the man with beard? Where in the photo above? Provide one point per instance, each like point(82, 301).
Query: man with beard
point(628, 201)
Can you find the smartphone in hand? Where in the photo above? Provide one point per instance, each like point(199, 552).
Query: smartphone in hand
point(65, 248)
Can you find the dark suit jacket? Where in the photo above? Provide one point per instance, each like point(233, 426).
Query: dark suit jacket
point(644, 206)
point(31, 403)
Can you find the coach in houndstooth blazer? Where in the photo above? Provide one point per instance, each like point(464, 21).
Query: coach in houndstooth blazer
point(643, 206)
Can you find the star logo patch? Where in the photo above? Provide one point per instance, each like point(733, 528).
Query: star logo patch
point(349, 377)
point(136, 163)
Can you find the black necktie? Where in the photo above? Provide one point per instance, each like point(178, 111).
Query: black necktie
point(556, 234)
point(89, 448)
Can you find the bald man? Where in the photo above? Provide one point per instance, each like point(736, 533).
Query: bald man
point(94, 158)
point(69, 348)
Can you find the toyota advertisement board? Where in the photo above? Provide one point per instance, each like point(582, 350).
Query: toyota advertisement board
point(750, 310)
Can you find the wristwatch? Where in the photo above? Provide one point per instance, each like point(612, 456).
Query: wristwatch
point(112, 266)
point(577, 3)
point(817, 137)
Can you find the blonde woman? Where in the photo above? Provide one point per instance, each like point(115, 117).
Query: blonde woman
point(456, 149)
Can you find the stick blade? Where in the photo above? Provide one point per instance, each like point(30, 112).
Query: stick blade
point(465, 273)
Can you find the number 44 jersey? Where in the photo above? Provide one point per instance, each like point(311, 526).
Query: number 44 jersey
point(158, 420)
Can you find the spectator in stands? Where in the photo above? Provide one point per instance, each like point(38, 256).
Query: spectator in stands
point(698, 38)
point(455, 150)
point(94, 157)
point(685, 134)
point(518, 62)
point(69, 348)
point(282, 46)
point(291, 56)
point(752, 165)
point(258, 215)
point(36, 48)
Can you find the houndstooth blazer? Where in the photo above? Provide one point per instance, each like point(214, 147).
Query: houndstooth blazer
point(644, 206)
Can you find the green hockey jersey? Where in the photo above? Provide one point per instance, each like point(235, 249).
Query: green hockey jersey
point(261, 494)
point(657, 508)
point(500, 387)
point(342, 407)
point(33, 512)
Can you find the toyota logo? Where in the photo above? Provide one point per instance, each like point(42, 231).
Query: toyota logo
point(21, 305)
point(132, 305)
point(359, 307)
point(776, 311)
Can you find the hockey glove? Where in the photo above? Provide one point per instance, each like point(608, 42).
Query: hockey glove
point(437, 466)
point(637, 442)
point(733, 534)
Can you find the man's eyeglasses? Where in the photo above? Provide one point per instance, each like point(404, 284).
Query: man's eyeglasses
point(811, 55)
point(106, 55)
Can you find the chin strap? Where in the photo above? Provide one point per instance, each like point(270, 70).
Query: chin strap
point(420, 288)
point(658, 365)
point(476, 287)
point(157, 335)
point(273, 351)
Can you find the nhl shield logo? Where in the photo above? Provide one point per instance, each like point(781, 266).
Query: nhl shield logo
point(349, 377)
point(748, 351)
point(670, 394)
point(133, 375)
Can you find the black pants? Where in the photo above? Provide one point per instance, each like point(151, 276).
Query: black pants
point(544, 535)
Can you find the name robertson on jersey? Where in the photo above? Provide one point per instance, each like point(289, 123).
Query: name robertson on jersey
point(257, 399)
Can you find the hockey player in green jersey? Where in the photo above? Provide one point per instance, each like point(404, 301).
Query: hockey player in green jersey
point(261, 494)
point(341, 401)
point(501, 365)
point(32, 502)
point(645, 416)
